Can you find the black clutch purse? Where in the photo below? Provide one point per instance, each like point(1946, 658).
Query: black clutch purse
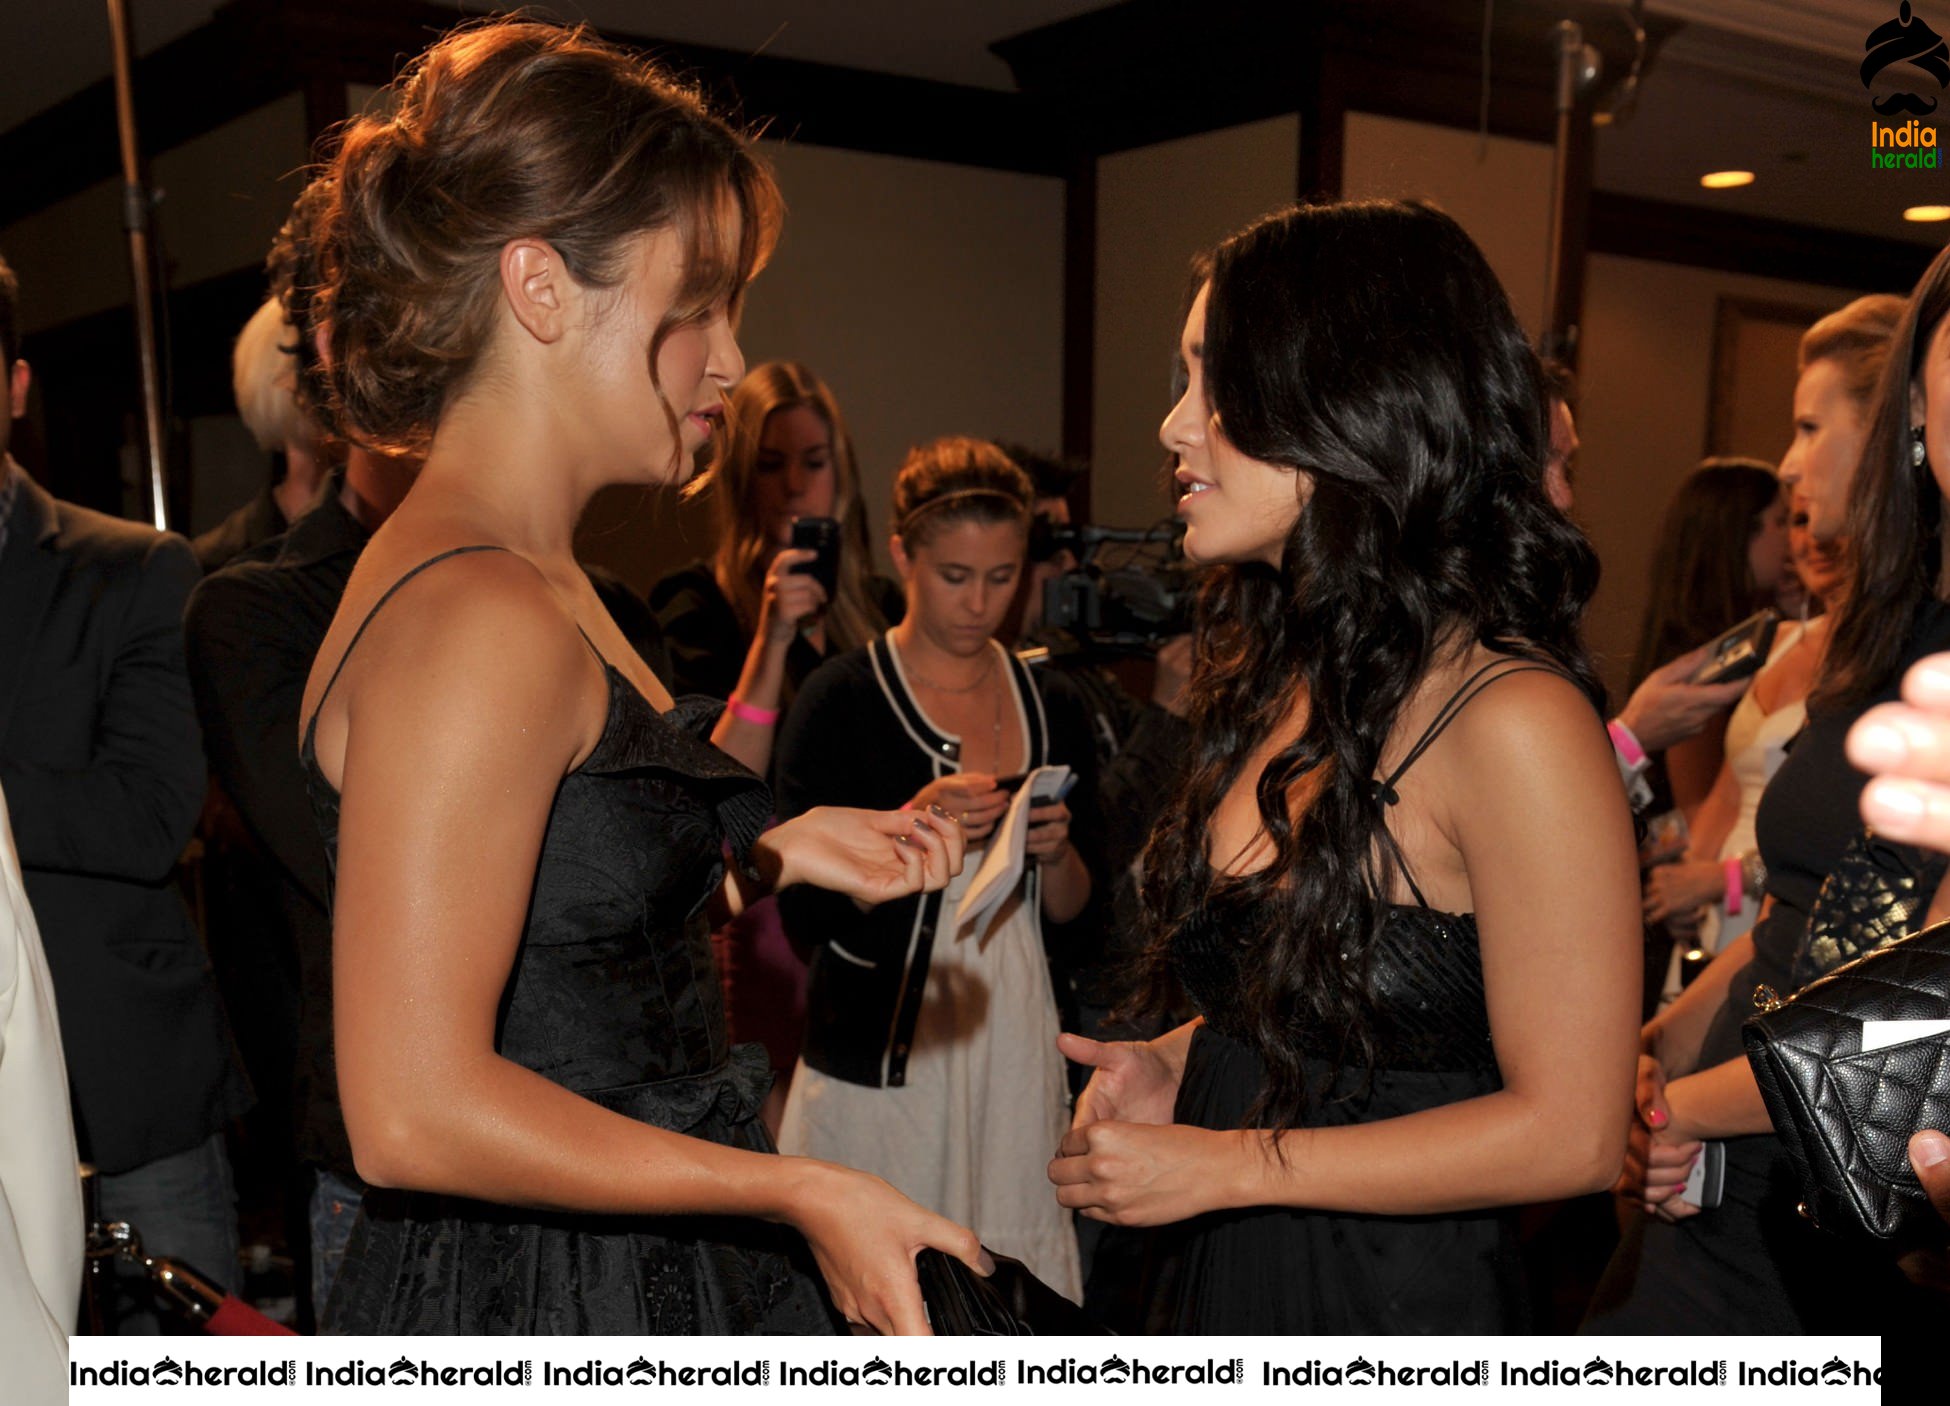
point(1010, 1303)
point(1847, 1089)
point(1877, 892)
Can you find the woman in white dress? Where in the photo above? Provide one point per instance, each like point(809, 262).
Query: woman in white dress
point(930, 1052)
point(1720, 879)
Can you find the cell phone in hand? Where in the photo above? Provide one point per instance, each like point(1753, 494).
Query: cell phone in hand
point(1740, 652)
point(1049, 789)
point(1707, 1182)
point(821, 535)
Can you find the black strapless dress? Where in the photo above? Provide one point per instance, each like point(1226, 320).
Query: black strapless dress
point(613, 995)
point(1284, 1271)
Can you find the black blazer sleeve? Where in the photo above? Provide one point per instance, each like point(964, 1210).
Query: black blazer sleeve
point(248, 662)
point(837, 748)
point(129, 811)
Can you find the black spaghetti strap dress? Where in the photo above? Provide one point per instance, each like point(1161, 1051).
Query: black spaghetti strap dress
point(612, 995)
point(1274, 1270)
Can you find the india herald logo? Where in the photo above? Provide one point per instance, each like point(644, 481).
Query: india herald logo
point(1907, 39)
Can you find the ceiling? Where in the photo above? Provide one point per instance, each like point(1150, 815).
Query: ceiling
point(1763, 85)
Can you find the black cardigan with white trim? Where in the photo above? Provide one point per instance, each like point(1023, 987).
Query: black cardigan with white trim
point(856, 737)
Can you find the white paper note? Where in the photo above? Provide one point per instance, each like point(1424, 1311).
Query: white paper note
point(1001, 868)
point(1881, 1034)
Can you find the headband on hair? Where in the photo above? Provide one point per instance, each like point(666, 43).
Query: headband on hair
point(1014, 502)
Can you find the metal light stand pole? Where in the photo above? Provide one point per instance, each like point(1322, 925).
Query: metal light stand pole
point(1577, 70)
point(135, 219)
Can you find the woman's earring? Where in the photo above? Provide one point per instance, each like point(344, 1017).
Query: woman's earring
point(1917, 454)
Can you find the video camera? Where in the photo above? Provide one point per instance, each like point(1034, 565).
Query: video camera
point(1129, 608)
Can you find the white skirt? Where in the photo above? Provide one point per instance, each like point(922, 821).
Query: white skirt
point(971, 1132)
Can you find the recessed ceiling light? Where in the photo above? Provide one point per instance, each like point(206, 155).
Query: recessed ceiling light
point(1726, 180)
point(1927, 214)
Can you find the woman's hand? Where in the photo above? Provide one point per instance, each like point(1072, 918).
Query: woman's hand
point(1048, 840)
point(789, 596)
point(1141, 1173)
point(1133, 1082)
point(970, 796)
point(872, 856)
point(1675, 890)
point(864, 1236)
point(1658, 1158)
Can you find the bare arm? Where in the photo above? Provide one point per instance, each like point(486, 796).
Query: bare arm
point(1674, 1036)
point(1715, 818)
point(1692, 765)
point(790, 598)
point(447, 787)
point(1547, 842)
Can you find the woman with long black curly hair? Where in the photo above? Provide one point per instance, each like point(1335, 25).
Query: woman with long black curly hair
point(1400, 884)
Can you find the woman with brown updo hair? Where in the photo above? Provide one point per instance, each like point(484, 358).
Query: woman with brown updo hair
point(532, 269)
point(930, 1052)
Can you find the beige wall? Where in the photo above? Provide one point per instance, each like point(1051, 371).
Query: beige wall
point(1157, 206)
point(1500, 193)
point(1646, 378)
point(929, 296)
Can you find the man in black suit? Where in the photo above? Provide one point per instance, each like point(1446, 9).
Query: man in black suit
point(101, 765)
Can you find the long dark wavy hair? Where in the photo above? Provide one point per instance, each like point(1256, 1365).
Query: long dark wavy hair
point(1702, 577)
point(1894, 538)
point(1368, 345)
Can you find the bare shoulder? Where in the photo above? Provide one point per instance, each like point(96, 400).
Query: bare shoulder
point(1527, 715)
point(478, 609)
point(473, 648)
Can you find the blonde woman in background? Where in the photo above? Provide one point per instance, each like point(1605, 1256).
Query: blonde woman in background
point(748, 624)
point(264, 378)
point(1841, 358)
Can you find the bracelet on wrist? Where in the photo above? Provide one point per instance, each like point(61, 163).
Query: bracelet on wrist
point(1736, 898)
point(751, 712)
point(1753, 873)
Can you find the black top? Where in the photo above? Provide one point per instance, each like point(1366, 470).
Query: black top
point(245, 529)
point(613, 983)
point(613, 995)
point(100, 761)
point(1808, 814)
point(856, 737)
point(707, 645)
point(253, 631)
point(1284, 1271)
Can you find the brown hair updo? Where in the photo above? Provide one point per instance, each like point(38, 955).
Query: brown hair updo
point(504, 130)
point(957, 479)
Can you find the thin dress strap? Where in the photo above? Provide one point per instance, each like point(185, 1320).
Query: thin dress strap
point(1385, 791)
point(311, 724)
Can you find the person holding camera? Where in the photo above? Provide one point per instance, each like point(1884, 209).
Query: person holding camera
point(754, 620)
point(930, 1052)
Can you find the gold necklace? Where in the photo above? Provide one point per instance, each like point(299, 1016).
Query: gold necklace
point(981, 679)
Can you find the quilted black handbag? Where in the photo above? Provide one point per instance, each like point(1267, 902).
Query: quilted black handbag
point(1010, 1303)
point(1847, 1114)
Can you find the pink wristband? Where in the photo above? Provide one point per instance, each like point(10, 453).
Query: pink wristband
point(752, 713)
point(1627, 745)
point(1736, 898)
